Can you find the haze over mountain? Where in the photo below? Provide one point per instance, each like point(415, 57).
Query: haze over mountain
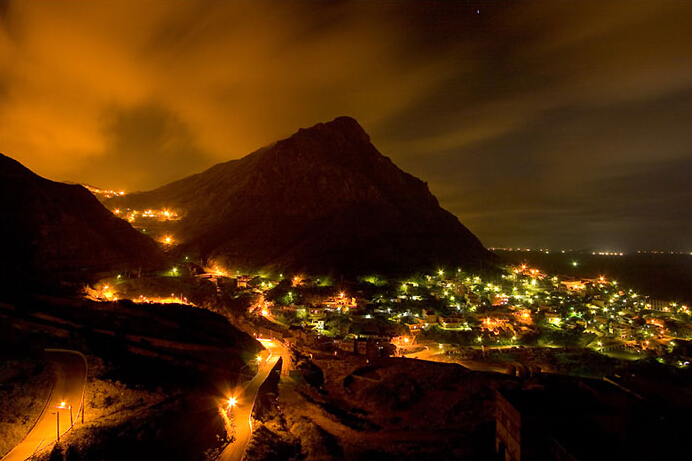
point(321, 200)
point(50, 227)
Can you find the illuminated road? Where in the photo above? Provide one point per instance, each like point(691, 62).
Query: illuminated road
point(427, 353)
point(242, 413)
point(68, 390)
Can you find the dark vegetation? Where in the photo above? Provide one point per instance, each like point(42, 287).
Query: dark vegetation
point(25, 383)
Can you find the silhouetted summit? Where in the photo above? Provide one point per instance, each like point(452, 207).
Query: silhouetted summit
point(323, 199)
point(50, 227)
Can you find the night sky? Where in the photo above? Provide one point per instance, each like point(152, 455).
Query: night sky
point(542, 124)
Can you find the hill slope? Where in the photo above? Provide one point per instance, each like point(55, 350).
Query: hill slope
point(55, 228)
point(323, 199)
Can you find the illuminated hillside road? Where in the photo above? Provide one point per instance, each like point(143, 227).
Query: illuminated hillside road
point(68, 390)
point(242, 412)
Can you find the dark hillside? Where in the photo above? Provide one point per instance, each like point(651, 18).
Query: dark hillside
point(324, 199)
point(51, 228)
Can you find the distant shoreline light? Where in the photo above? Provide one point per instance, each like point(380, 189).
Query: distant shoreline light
point(593, 253)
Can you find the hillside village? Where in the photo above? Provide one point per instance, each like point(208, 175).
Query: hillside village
point(449, 314)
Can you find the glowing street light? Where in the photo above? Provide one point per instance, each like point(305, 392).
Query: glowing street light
point(575, 263)
point(232, 401)
point(63, 405)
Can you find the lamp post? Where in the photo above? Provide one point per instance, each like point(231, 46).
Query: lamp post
point(57, 423)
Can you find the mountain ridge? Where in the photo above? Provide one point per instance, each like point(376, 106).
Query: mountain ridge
point(50, 227)
point(324, 198)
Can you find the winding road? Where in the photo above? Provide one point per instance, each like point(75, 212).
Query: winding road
point(65, 399)
point(242, 412)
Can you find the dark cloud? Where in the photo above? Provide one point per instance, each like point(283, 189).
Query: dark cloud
point(537, 123)
point(144, 145)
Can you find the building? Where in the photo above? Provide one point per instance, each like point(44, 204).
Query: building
point(415, 328)
point(499, 300)
point(341, 303)
point(658, 305)
point(452, 322)
point(583, 420)
point(542, 425)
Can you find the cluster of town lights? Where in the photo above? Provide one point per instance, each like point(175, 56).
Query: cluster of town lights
point(103, 192)
point(160, 215)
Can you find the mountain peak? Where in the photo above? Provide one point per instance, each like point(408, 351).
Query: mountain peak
point(323, 200)
point(343, 127)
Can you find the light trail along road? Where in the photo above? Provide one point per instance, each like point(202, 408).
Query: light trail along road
point(66, 397)
point(242, 412)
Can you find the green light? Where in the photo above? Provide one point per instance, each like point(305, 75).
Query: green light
point(575, 264)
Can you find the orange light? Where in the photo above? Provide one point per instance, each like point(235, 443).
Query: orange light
point(232, 401)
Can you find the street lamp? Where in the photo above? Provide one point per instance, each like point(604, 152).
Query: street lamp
point(232, 401)
point(63, 405)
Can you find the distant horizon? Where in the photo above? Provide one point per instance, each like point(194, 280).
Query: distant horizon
point(591, 250)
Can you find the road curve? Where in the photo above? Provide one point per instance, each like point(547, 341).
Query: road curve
point(242, 413)
point(70, 381)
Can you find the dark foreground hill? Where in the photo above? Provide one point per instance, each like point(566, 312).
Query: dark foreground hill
point(322, 200)
point(56, 229)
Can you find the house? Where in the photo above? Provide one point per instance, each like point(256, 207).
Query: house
point(243, 281)
point(452, 322)
point(575, 420)
point(473, 298)
point(430, 317)
point(341, 303)
point(499, 300)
